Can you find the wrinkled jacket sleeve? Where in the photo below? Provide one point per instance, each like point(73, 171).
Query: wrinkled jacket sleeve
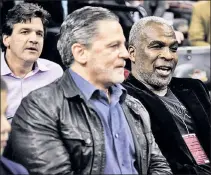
point(35, 140)
point(158, 163)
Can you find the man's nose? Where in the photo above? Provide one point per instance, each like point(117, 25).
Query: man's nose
point(124, 53)
point(33, 38)
point(167, 54)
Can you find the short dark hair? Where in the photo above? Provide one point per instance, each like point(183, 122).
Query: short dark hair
point(21, 13)
point(3, 85)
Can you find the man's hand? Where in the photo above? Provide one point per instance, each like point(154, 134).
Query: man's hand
point(179, 36)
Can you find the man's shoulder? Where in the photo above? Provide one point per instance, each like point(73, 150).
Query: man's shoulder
point(185, 82)
point(13, 167)
point(52, 69)
point(50, 64)
point(195, 85)
point(46, 92)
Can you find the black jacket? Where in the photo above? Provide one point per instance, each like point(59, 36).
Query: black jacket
point(56, 131)
point(194, 96)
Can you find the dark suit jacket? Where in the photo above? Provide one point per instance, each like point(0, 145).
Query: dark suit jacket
point(193, 94)
point(12, 167)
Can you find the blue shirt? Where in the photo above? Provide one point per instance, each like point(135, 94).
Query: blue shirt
point(119, 146)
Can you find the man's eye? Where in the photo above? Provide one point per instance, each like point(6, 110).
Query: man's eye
point(174, 49)
point(40, 34)
point(157, 46)
point(24, 32)
point(115, 46)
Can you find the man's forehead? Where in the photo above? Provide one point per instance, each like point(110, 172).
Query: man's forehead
point(35, 22)
point(109, 30)
point(158, 31)
point(106, 25)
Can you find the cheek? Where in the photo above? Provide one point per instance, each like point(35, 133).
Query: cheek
point(41, 41)
point(18, 41)
point(146, 64)
point(3, 123)
point(40, 45)
point(176, 58)
point(97, 51)
point(109, 62)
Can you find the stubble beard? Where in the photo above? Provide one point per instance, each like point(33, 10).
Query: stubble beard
point(151, 79)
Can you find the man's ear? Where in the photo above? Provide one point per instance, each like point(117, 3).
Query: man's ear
point(6, 40)
point(79, 53)
point(132, 53)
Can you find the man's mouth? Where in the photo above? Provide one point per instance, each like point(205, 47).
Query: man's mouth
point(164, 70)
point(32, 49)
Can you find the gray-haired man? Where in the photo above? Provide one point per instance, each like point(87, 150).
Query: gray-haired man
point(81, 124)
point(179, 108)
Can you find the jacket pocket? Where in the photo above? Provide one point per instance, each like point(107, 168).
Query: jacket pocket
point(80, 147)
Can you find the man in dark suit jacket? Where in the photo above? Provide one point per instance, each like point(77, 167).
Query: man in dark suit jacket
point(7, 166)
point(179, 108)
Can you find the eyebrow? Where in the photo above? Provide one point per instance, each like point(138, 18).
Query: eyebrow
point(174, 43)
point(162, 43)
point(25, 28)
point(115, 42)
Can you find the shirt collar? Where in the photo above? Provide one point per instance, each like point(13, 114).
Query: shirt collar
point(40, 66)
point(118, 88)
point(4, 67)
point(88, 89)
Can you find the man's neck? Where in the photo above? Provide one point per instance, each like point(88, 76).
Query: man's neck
point(81, 71)
point(19, 68)
point(161, 92)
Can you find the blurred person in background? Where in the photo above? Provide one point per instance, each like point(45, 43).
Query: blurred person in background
point(179, 108)
point(155, 7)
point(7, 166)
point(199, 30)
point(22, 43)
point(152, 7)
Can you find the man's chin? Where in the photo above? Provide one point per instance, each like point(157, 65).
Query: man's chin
point(31, 59)
point(119, 79)
point(159, 85)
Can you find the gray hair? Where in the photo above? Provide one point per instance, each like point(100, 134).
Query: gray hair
point(80, 27)
point(137, 30)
